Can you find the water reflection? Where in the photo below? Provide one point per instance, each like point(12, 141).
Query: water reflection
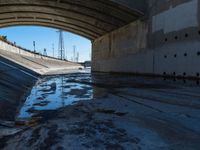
point(54, 92)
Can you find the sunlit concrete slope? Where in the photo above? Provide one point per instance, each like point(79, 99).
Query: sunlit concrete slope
point(39, 64)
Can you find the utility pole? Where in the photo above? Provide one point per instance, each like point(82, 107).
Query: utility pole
point(34, 46)
point(74, 53)
point(45, 52)
point(61, 49)
point(53, 49)
point(90, 55)
point(77, 58)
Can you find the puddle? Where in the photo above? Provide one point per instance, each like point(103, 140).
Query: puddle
point(54, 92)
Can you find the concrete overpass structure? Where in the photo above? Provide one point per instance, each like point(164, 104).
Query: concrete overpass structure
point(130, 36)
point(87, 18)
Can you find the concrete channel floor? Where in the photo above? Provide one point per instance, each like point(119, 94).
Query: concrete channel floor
point(124, 113)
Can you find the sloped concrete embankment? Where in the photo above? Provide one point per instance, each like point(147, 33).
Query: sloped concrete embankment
point(15, 80)
point(36, 62)
point(41, 65)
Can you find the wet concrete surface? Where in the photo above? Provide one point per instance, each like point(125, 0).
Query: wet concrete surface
point(82, 111)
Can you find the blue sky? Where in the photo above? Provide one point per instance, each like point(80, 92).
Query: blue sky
point(45, 38)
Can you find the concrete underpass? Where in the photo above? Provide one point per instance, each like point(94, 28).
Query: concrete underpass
point(142, 91)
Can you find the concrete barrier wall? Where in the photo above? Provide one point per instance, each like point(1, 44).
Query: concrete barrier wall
point(166, 43)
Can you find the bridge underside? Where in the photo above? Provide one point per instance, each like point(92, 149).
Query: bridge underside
point(131, 36)
point(88, 18)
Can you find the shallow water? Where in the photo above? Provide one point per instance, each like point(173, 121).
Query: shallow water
point(54, 92)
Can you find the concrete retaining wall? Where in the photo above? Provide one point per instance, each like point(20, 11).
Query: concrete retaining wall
point(164, 43)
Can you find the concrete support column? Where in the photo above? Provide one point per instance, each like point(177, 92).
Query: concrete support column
point(123, 50)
